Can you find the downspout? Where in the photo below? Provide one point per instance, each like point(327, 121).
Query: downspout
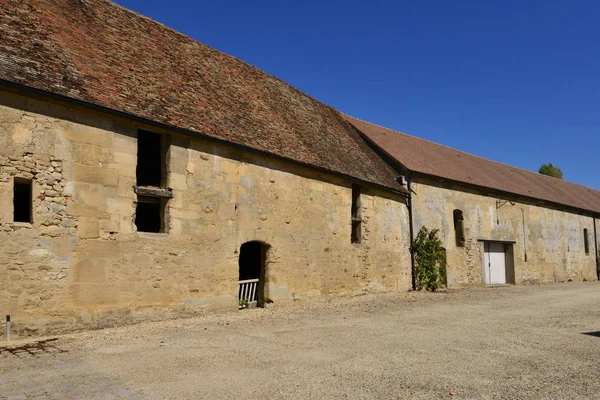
point(409, 205)
point(596, 246)
point(524, 235)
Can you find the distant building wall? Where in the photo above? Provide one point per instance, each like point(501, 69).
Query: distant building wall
point(81, 263)
point(553, 240)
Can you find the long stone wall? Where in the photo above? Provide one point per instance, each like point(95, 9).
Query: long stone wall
point(82, 264)
point(549, 244)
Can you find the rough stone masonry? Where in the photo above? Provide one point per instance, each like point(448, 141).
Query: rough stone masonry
point(137, 164)
point(81, 263)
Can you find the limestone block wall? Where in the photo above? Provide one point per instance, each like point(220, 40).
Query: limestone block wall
point(549, 244)
point(81, 263)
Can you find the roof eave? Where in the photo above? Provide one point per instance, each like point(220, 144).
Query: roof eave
point(6, 84)
point(577, 210)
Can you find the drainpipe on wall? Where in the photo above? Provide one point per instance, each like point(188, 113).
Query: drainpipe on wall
point(596, 246)
point(412, 232)
point(524, 235)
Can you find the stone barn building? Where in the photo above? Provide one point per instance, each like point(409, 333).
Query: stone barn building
point(144, 175)
point(499, 224)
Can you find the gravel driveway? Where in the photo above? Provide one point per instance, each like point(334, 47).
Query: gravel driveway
point(532, 342)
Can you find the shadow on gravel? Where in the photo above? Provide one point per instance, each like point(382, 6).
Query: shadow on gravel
point(33, 349)
point(596, 334)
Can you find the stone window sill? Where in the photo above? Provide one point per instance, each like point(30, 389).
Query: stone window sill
point(153, 191)
point(153, 235)
point(21, 224)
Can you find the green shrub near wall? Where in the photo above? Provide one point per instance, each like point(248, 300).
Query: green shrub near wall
point(430, 260)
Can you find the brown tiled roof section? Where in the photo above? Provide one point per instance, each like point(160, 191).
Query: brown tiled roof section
point(430, 158)
point(102, 53)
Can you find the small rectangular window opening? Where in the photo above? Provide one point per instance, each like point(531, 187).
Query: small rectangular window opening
point(150, 214)
point(22, 206)
point(356, 234)
point(586, 241)
point(151, 159)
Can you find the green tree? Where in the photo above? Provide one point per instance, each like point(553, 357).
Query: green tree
point(430, 257)
point(551, 170)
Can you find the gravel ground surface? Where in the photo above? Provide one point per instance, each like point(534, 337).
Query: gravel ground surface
point(535, 342)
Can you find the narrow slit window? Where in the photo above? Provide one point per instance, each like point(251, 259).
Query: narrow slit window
point(151, 159)
point(356, 234)
point(22, 206)
point(459, 228)
point(586, 241)
point(150, 214)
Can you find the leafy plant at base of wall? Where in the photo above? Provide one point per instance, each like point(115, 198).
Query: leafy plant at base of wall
point(243, 302)
point(430, 260)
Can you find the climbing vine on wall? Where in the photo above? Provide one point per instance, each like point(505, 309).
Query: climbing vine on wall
point(430, 260)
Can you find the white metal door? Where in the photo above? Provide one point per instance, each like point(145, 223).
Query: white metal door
point(495, 264)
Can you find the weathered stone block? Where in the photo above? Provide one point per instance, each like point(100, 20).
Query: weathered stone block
point(98, 175)
point(124, 143)
point(109, 225)
point(88, 134)
point(125, 158)
point(6, 202)
point(88, 227)
point(125, 170)
point(178, 159)
point(90, 196)
point(119, 206)
point(126, 225)
point(85, 153)
point(178, 181)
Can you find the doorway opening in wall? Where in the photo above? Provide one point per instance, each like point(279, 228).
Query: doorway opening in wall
point(251, 286)
point(499, 263)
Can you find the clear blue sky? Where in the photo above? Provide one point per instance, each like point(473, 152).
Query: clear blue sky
point(512, 81)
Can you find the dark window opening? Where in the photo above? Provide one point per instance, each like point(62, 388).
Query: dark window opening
point(150, 215)
point(151, 159)
point(22, 206)
point(586, 241)
point(252, 274)
point(356, 233)
point(459, 228)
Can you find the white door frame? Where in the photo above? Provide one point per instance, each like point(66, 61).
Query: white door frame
point(494, 264)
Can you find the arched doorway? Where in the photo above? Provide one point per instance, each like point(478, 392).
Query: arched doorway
point(251, 286)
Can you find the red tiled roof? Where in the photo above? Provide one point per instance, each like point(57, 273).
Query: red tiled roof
point(101, 53)
point(430, 158)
